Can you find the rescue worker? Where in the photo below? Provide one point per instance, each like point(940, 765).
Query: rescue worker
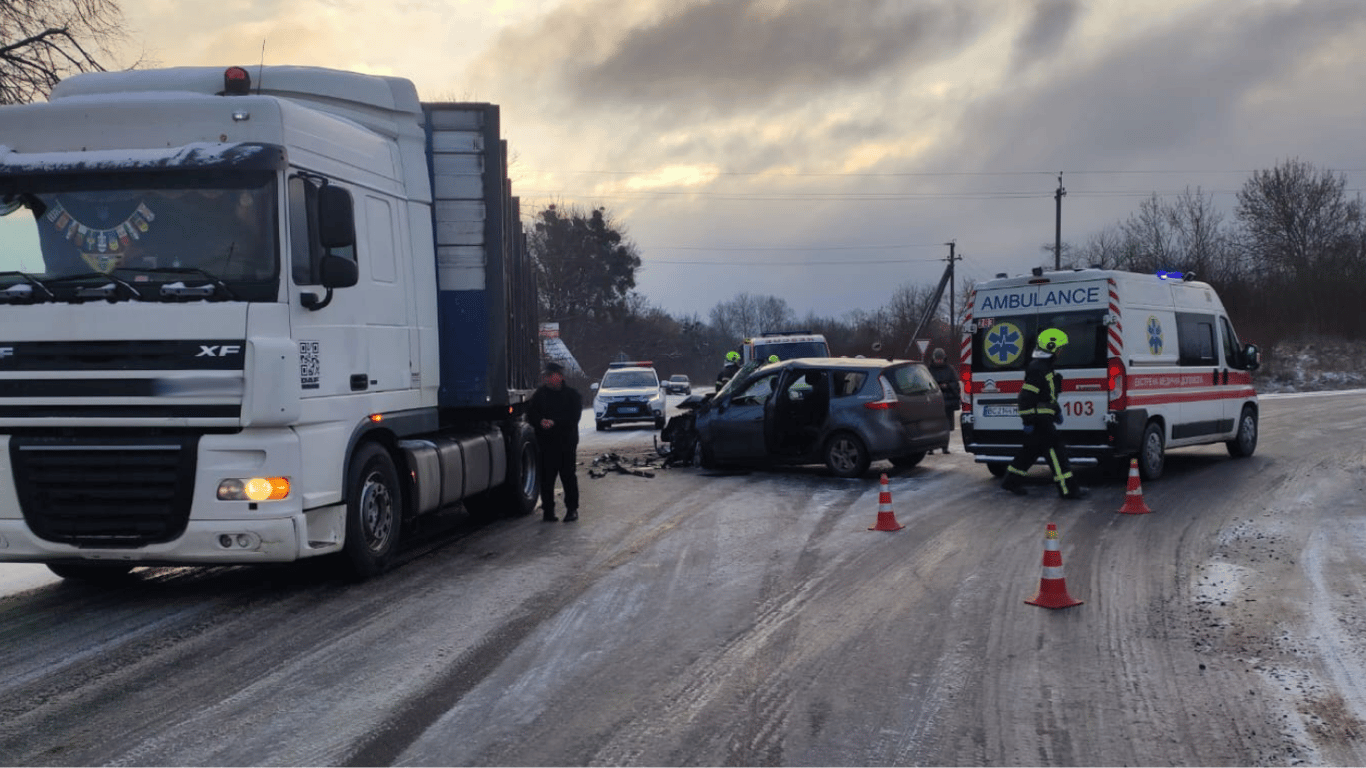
point(773, 358)
point(1038, 406)
point(947, 379)
point(728, 371)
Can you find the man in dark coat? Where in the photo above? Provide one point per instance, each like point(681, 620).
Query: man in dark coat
point(1038, 405)
point(555, 410)
point(947, 379)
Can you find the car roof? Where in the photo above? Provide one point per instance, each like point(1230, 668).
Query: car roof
point(850, 363)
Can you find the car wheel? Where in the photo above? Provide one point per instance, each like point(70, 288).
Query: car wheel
point(703, 456)
point(845, 455)
point(374, 511)
point(997, 468)
point(90, 571)
point(601, 425)
point(1152, 453)
point(1245, 442)
point(906, 462)
point(659, 422)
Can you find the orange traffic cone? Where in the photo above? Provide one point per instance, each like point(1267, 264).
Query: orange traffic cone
point(1052, 587)
point(1133, 498)
point(886, 518)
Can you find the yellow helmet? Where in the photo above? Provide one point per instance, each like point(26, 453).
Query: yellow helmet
point(732, 356)
point(1052, 340)
point(773, 358)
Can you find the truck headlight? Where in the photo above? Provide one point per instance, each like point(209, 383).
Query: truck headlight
point(253, 489)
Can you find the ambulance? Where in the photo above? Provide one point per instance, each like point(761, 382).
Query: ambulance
point(1152, 364)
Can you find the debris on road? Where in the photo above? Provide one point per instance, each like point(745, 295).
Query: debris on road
point(613, 462)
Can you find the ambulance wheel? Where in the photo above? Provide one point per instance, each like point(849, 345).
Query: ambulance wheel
point(997, 468)
point(1245, 442)
point(1152, 453)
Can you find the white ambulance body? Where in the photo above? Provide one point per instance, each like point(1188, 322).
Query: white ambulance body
point(1152, 363)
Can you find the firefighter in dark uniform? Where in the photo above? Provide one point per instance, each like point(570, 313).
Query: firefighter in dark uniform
point(728, 371)
point(1038, 405)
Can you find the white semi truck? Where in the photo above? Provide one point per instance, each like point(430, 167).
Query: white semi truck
point(256, 315)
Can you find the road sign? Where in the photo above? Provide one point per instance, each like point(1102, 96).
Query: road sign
point(924, 344)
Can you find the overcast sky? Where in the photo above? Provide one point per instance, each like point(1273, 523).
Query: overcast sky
point(825, 151)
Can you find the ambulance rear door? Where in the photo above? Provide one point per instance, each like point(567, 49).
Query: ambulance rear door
point(1008, 320)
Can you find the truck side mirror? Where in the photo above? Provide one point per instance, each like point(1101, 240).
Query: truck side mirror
point(338, 272)
point(336, 218)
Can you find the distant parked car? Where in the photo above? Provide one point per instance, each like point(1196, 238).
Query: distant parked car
point(841, 412)
point(678, 384)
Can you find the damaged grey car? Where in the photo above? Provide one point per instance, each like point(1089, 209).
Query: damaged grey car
point(844, 413)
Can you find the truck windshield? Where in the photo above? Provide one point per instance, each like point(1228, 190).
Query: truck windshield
point(787, 350)
point(68, 233)
point(1005, 343)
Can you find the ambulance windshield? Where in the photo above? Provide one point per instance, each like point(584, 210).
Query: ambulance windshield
point(1005, 343)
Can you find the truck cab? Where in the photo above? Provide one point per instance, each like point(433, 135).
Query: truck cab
point(253, 322)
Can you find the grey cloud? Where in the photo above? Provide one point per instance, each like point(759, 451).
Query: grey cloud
point(1177, 93)
point(734, 55)
point(1049, 24)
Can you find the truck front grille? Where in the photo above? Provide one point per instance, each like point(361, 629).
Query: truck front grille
point(105, 492)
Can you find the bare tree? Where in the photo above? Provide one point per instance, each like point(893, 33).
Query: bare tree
point(1297, 217)
point(43, 41)
point(747, 315)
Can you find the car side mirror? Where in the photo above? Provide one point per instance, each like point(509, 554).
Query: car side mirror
point(1252, 357)
point(593, 386)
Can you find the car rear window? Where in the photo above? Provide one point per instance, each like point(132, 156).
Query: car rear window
point(911, 380)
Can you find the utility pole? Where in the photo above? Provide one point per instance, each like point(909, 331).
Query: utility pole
point(953, 290)
point(1057, 231)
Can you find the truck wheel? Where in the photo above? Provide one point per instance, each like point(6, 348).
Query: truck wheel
point(521, 486)
point(374, 512)
point(845, 455)
point(1245, 442)
point(90, 571)
point(997, 468)
point(1152, 452)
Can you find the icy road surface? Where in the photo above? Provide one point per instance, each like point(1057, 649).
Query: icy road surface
point(752, 618)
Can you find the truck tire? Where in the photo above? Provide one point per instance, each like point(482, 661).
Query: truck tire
point(519, 492)
point(845, 455)
point(1245, 442)
point(1152, 452)
point(90, 571)
point(374, 512)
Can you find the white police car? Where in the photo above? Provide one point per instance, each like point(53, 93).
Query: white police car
point(629, 391)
